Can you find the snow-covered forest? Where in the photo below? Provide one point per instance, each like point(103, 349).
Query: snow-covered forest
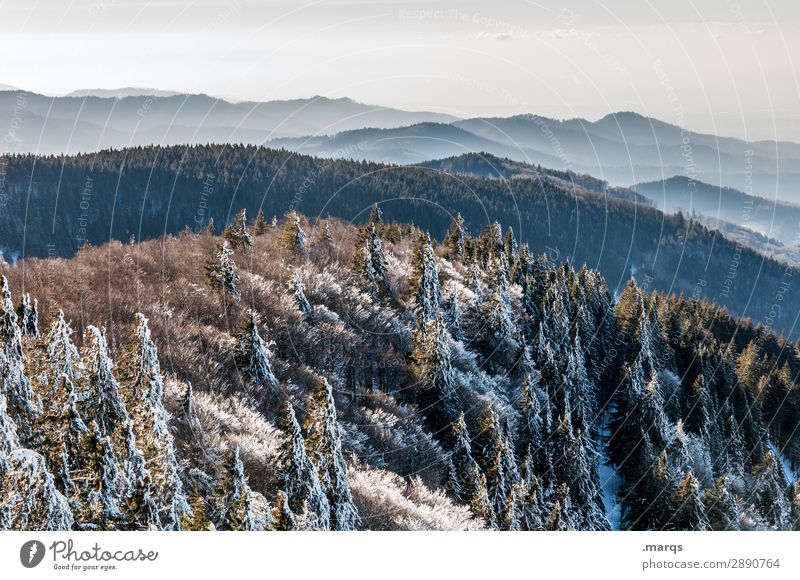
point(301, 375)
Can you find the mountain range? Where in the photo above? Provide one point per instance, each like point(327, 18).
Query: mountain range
point(622, 148)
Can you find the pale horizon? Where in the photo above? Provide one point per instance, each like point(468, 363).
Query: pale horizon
point(726, 69)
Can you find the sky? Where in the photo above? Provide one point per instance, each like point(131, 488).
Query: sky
point(719, 66)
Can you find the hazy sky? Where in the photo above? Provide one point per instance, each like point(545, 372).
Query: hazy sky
point(717, 65)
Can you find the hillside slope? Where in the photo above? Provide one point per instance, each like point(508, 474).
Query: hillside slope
point(146, 192)
point(475, 386)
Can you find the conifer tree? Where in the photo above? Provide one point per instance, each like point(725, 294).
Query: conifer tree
point(236, 234)
point(22, 403)
point(252, 354)
point(233, 497)
point(29, 499)
point(369, 260)
point(293, 239)
point(221, 270)
point(196, 520)
point(376, 215)
point(283, 519)
point(298, 475)
point(559, 519)
point(28, 315)
point(324, 447)
point(720, 506)
point(497, 460)
point(796, 507)
point(437, 394)
point(59, 435)
point(769, 493)
point(533, 512)
point(455, 241)
point(297, 288)
point(480, 504)
point(466, 475)
point(689, 511)
point(96, 498)
point(142, 387)
point(451, 311)
point(326, 241)
point(260, 224)
point(100, 394)
point(423, 284)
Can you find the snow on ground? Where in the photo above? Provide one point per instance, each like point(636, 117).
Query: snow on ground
point(789, 472)
point(609, 482)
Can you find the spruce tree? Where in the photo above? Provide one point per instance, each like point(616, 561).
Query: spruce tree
point(100, 394)
point(252, 354)
point(437, 387)
point(28, 315)
point(221, 270)
point(237, 234)
point(297, 288)
point(293, 240)
point(298, 476)
point(769, 493)
point(325, 240)
point(324, 447)
point(260, 224)
point(689, 512)
point(196, 520)
point(480, 504)
point(22, 403)
point(465, 484)
point(29, 499)
point(455, 241)
point(451, 311)
point(233, 497)
point(720, 506)
point(796, 507)
point(283, 519)
point(369, 260)
point(424, 287)
point(142, 388)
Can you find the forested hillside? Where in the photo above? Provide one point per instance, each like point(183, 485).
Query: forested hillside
point(146, 192)
point(308, 374)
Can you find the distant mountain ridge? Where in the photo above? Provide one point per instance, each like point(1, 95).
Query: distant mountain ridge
point(772, 218)
point(621, 148)
point(491, 166)
point(75, 124)
point(122, 93)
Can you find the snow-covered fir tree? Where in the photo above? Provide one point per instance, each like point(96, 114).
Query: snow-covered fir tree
point(437, 388)
point(293, 241)
point(369, 260)
point(142, 387)
point(252, 354)
point(237, 234)
point(424, 287)
point(22, 403)
point(28, 315)
point(298, 290)
point(324, 447)
point(299, 478)
point(29, 499)
point(456, 240)
point(233, 497)
point(260, 224)
point(221, 270)
point(283, 518)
